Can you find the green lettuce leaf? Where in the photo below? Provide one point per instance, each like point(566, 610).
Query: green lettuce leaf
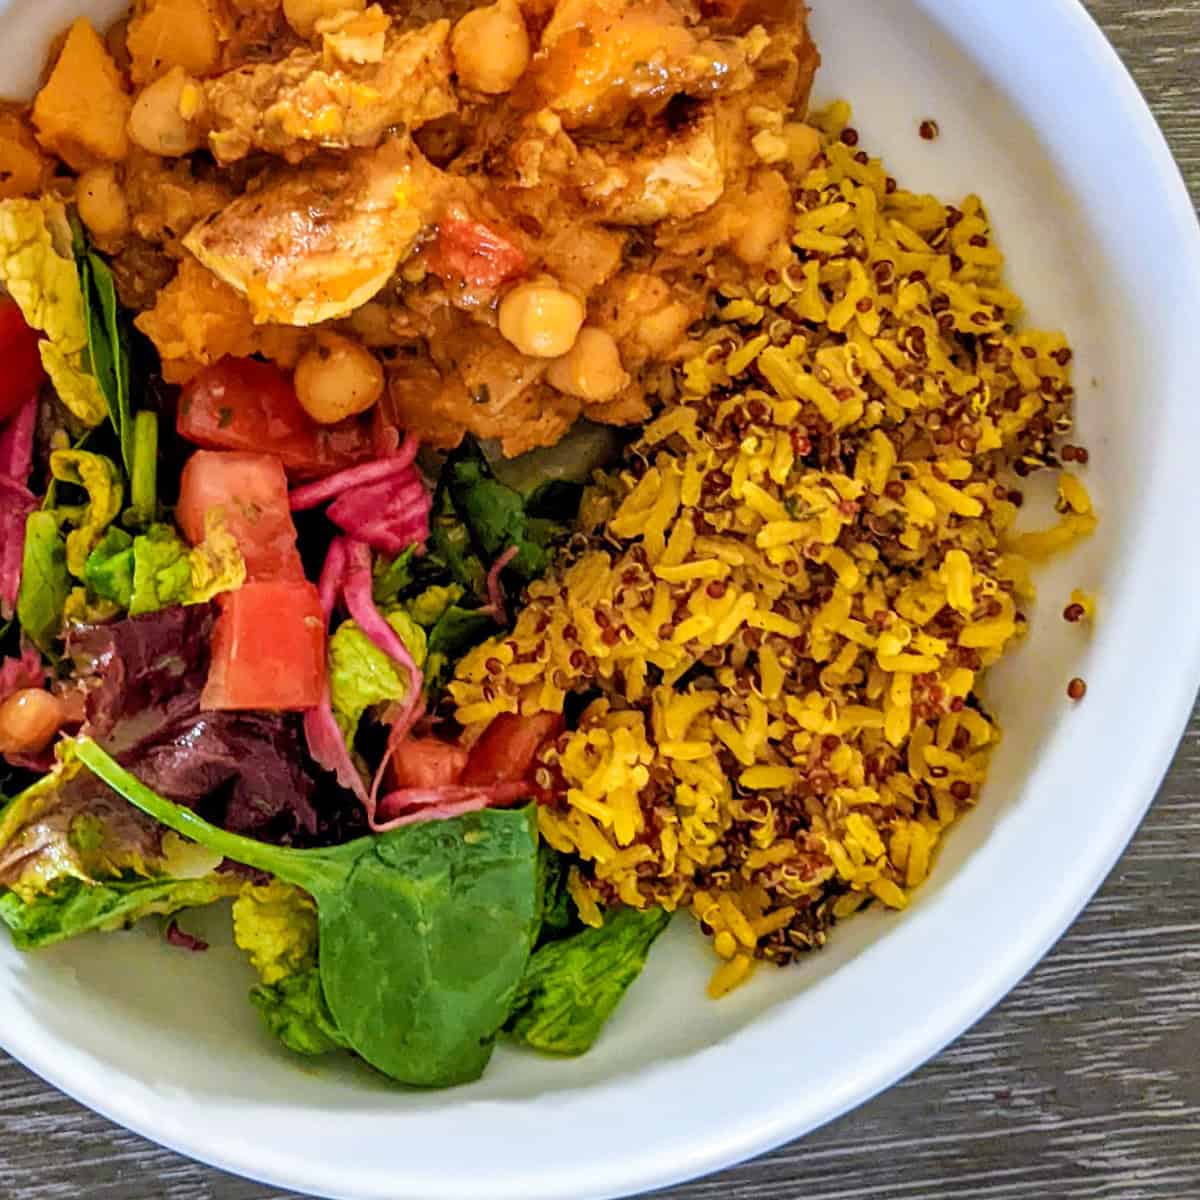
point(572, 986)
point(38, 270)
point(45, 583)
point(362, 676)
point(74, 857)
point(99, 477)
point(73, 907)
point(162, 571)
point(158, 568)
point(558, 910)
point(108, 571)
point(296, 1012)
point(452, 630)
point(276, 924)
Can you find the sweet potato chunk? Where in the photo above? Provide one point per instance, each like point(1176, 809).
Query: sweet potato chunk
point(172, 33)
point(197, 320)
point(81, 112)
point(22, 166)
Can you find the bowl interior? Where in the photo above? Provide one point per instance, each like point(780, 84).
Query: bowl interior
point(1102, 244)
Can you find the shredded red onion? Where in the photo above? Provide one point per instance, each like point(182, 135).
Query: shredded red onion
point(438, 804)
point(388, 516)
point(312, 494)
point(361, 603)
point(325, 742)
point(333, 576)
point(184, 940)
point(495, 589)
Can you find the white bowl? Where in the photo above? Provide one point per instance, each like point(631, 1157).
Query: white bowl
point(1038, 115)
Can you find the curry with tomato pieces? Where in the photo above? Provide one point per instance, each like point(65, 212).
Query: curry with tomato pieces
point(473, 219)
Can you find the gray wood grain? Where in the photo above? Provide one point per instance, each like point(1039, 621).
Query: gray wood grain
point(1084, 1083)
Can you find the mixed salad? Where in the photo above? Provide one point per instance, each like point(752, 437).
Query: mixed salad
point(226, 635)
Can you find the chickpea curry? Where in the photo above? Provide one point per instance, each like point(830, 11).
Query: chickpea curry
point(487, 220)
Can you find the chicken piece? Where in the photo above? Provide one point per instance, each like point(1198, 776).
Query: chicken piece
point(305, 101)
point(197, 320)
point(582, 257)
point(313, 243)
point(600, 59)
point(667, 174)
point(647, 317)
point(476, 383)
point(166, 199)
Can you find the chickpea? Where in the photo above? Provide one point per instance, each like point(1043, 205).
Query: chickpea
point(659, 332)
point(491, 47)
point(541, 319)
point(157, 123)
point(767, 219)
point(804, 144)
point(591, 369)
point(304, 15)
point(101, 202)
point(29, 719)
point(338, 379)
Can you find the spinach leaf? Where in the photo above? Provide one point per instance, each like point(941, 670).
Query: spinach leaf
point(455, 632)
point(295, 1011)
point(425, 931)
point(74, 906)
point(493, 513)
point(451, 549)
point(108, 343)
point(45, 584)
point(573, 985)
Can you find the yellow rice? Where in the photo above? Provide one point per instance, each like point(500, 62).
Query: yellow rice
point(789, 592)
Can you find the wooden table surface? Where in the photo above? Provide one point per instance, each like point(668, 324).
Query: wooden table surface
point(1083, 1085)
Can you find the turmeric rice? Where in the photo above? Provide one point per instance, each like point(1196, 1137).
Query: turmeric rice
point(781, 605)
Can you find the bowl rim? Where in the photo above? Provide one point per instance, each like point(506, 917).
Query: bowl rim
point(775, 1116)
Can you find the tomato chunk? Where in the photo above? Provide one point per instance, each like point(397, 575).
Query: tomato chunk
point(243, 404)
point(21, 371)
point(506, 749)
point(268, 649)
point(252, 491)
point(468, 252)
point(427, 763)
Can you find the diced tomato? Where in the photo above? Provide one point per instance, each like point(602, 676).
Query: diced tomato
point(268, 649)
point(466, 251)
point(427, 763)
point(252, 491)
point(243, 404)
point(506, 749)
point(21, 371)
